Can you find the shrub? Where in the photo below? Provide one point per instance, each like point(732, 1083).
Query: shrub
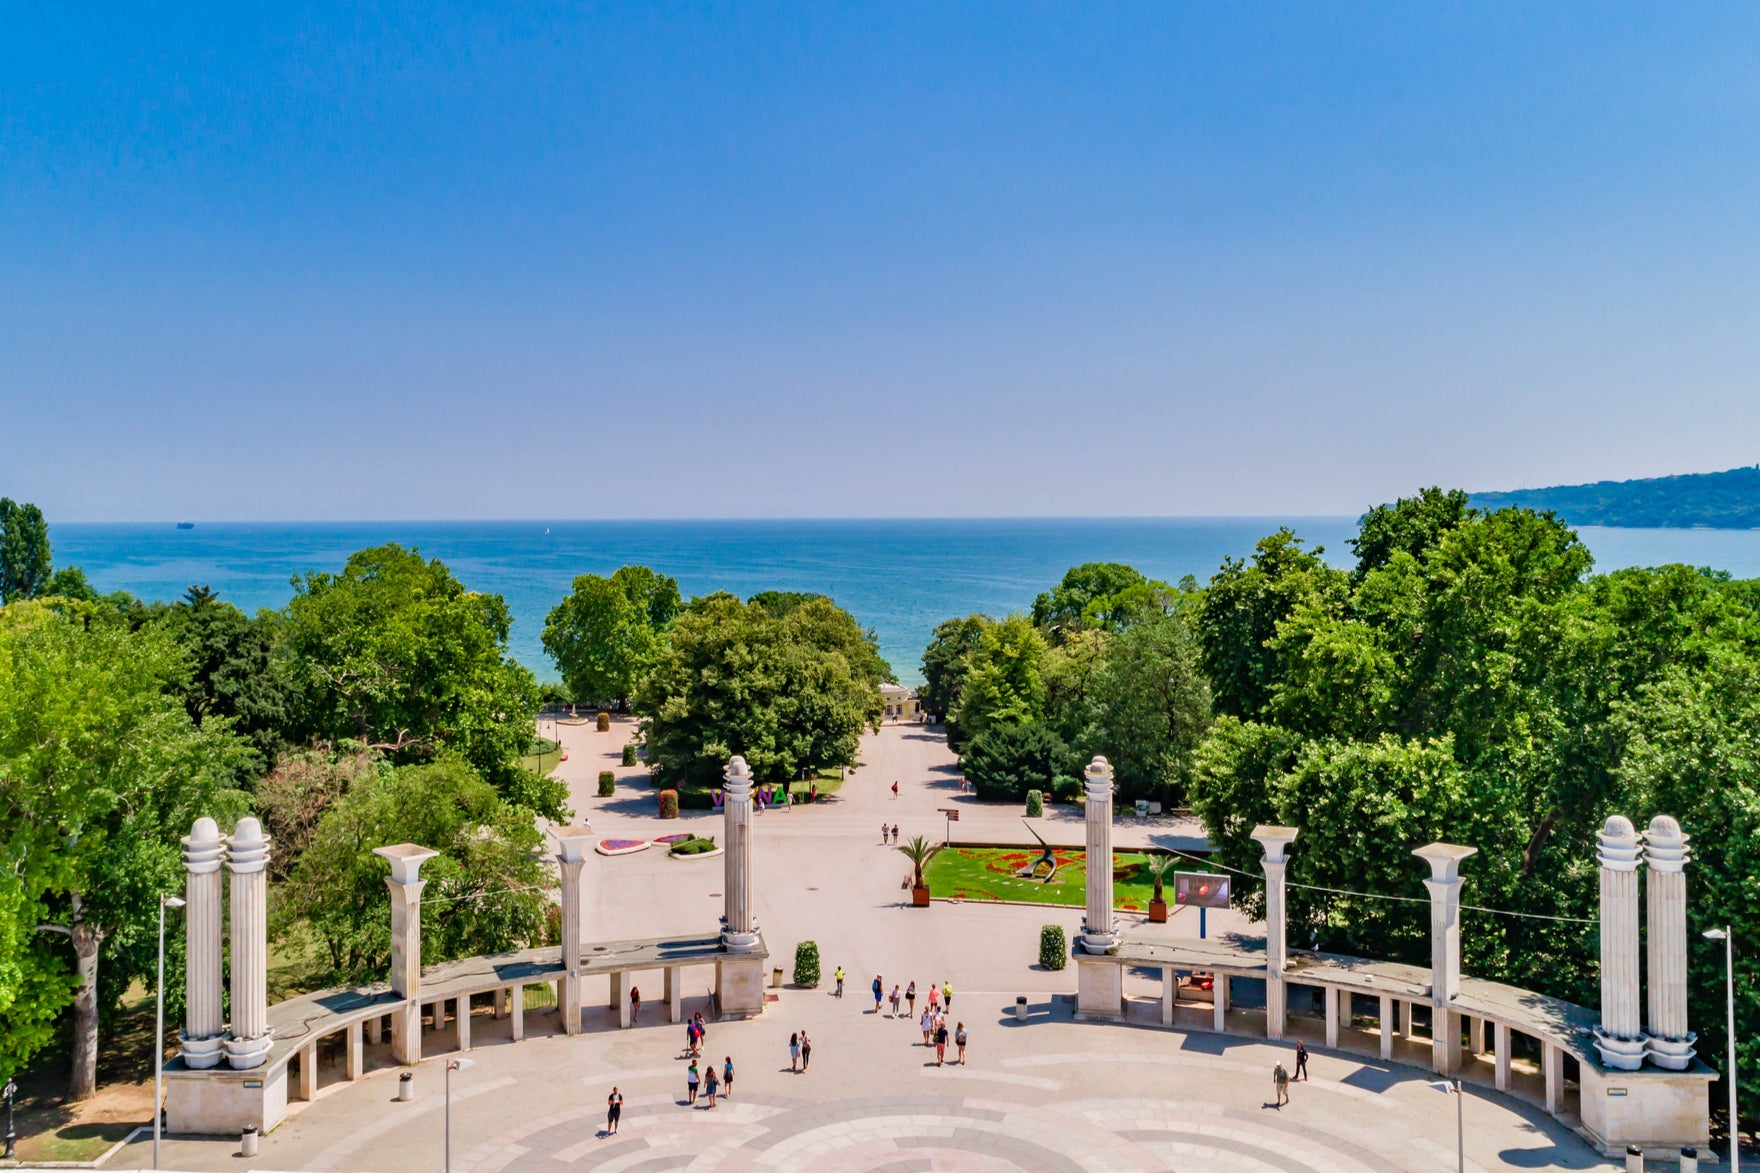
point(669, 804)
point(1066, 789)
point(695, 798)
point(695, 846)
point(1003, 763)
point(629, 754)
point(806, 964)
point(1035, 804)
point(604, 721)
point(1053, 949)
point(607, 783)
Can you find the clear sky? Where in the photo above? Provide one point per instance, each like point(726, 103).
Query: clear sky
point(531, 260)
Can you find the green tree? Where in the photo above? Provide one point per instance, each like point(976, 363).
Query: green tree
point(1411, 525)
point(1006, 761)
point(397, 656)
point(101, 769)
point(1094, 594)
point(1241, 611)
point(24, 551)
point(486, 892)
point(790, 693)
point(232, 669)
point(1004, 679)
point(1149, 705)
point(944, 664)
point(606, 634)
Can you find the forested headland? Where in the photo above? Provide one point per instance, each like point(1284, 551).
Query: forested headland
point(1718, 500)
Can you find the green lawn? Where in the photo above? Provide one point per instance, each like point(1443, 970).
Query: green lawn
point(987, 873)
point(542, 755)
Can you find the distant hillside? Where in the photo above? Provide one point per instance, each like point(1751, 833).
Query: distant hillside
point(1724, 500)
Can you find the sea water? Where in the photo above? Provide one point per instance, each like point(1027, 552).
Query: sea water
point(898, 578)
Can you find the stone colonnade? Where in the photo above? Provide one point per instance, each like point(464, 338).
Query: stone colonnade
point(1099, 988)
point(204, 1037)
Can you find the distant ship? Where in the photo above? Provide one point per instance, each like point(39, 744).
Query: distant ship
point(186, 525)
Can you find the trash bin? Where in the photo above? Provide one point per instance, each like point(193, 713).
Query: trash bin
point(1689, 1161)
point(405, 1088)
point(247, 1144)
point(1634, 1159)
point(776, 977)
point(1020, 1008)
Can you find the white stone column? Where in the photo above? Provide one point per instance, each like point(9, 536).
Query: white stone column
point(204, 1013)
point(1098, 934)
point(247, 859)
point(739, 927)
point(1386, 1027)
point(406, 886)
point(1665, 899)
point(1620, 1035)
point(1275, 840)
point(1219, 1003)
point(571, 857)
point(1445, 950)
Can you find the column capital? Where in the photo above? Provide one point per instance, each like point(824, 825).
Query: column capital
point(406, 860)
point(1616, 847)
point(1099, 778)
point(203, 848)
point(1275, 840)
point(571, 842)
point(736, 780)
point(1665, 847)
point(248, 848)
point(1444, 860)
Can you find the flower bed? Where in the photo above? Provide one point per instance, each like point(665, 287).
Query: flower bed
point(620, 846)
point(988, 873)
point(679, 837)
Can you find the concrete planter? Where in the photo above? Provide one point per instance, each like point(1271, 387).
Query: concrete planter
point(1157, 912)
point(920, 896)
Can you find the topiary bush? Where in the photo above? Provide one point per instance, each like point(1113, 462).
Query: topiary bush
point(604, 722)
point(629, 754)
point(806, 964)
point(1053, 949)
point(607, 783)
point(695, 846)
point(1065, 789)
point(669, 804)
point(1035, 804)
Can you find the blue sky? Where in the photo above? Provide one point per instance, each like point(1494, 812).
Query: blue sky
point(890, 259)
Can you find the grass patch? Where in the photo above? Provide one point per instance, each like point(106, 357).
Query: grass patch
point(542, 755)
point(73, 1142)
point(987, 873)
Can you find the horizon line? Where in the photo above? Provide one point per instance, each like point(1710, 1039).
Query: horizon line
point(173, 521)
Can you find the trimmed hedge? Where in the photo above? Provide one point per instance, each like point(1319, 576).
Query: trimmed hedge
point(695, 846)
point(604, 722)
point(806, 964)
point(1066, 789)
point(607, 783)
point(1053, 949)
point(1035, 804)
point(669, 804)
point(629, 754)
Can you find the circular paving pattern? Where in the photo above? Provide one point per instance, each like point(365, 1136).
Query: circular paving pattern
point(920, 1134)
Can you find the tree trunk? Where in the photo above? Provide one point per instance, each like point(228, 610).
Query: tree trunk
point(86, 940)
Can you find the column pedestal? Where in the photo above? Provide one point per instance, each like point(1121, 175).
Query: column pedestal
point(739, 984)
point(1099, 988)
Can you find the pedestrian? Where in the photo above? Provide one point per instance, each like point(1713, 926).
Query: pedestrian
point(940, 1042)
point(613, 1111)
point(702, 1030)
point(895, 788)
point(895, 999)
point(635, 1004)
point(947, 995)
point(1280, 1081)
point(934, 996)
point(691, 1079)
point(910, 997)
point(1301, 1061)
point(895, 834)
point(879, 988)
point(813, 794)
point(884, 830)
point(959, 1040)
point(711, 1084)
point(839, 976)
point(927, 1023)
point(727, 1078)
point(806, 1052)
point(794, 1052)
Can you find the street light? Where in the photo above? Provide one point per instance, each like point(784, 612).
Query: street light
point(11, 1093)
point(159, 1028)
point(1460, 1119)
point(451, 1066)
point(1727, 936)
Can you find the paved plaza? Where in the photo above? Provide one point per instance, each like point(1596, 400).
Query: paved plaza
point(1044, 1093)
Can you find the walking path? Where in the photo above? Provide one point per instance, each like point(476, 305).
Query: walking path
point(1046, 1093)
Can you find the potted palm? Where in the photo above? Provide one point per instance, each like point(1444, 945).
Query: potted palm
point(1159, 868)
point(918, 851)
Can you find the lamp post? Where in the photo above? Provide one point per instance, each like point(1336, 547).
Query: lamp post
point(11, 1094)
point(1453, 1088)
point(451, 1066)
point(159, 1028)
point(1727, 936)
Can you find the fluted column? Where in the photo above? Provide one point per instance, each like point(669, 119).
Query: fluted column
point(1098, 934)
point(739, 927)
point(247, 859)
point(204, 1012)
point(1665, 898)
point(1620, 1035)
point(1275, 841)
point(571, 856)
point(1444, 885)
point(406, 886)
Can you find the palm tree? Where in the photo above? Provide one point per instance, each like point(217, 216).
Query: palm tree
point(1159, 868)
point(918, 851)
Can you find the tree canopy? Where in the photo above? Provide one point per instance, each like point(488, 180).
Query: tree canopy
point(24, 551)
point(608, 632)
